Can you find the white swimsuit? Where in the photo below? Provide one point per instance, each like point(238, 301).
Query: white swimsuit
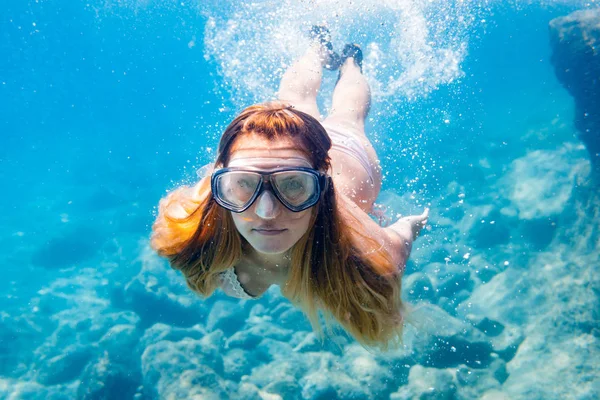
point(344, 141)
point(230, 284)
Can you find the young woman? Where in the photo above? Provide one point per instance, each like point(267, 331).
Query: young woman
point(288, 203)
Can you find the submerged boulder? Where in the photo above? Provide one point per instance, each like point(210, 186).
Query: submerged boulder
point(575, 41)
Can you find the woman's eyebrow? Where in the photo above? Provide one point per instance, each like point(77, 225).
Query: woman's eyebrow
point(271, 164)
point(254, 148)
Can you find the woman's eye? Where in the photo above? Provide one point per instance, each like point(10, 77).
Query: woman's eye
point(243, 184)
point(293, 185)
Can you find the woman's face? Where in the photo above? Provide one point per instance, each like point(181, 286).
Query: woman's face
point(268, 225)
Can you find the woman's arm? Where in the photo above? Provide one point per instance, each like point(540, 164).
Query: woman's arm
point(397, 238)
point(404, 232)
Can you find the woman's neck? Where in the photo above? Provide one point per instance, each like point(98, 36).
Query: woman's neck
point(270, 261)
point(275, 266)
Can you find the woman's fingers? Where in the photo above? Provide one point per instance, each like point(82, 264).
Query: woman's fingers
point(419, 222)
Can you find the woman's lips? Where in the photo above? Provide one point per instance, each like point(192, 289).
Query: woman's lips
point(269, 232)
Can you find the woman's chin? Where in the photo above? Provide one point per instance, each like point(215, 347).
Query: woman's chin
point(271, 247)
point(271, 250)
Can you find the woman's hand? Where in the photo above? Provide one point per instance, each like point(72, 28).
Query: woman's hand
point(416, 222)
point(402, 234)
point(410, 227)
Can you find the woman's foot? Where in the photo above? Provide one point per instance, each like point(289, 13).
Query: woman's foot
point(353, 51)
point(321, 36)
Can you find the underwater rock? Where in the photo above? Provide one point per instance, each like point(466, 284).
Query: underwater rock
point(258, 311)
point(77, 326)
point(158, 332)
point(488, 326)
point(269, 350)
point(248, 391)
point(198, 382)
point(442, 341)
point(495, 394)
point(320, 386)
point(492, 228)
point(8, 338)
point(364, 367)
point(505, 339)
point(117, 338)
point(276, 311)
point(255, 334)
point(484, 269)
point(427, 384)
point(450, 304)
point(450, 285)
point(472, 382)
point(282, 376)
point(538, 233)
point(507, 343)
point(21, 389)
point(294, 319)
point(50, 303)
point(542, 361)
point(159, 294)
point(181, 369)
point(452, 280)
point(226, 316)
point(310, 342)
point(575, 41)
point(78, 332)
point(297, 338)
point(18, 334)
point(287, 388)
point(328, 382)
point(237, 363)
point(106, 379)
point(498, 300)
point(294, 365)
point(541, 184)
point(418, 287)
point(97, 326)
point(64, 367)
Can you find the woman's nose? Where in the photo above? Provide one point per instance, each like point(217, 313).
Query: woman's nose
point(267, 205)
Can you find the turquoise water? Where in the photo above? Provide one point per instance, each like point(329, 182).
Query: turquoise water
point(106, 105)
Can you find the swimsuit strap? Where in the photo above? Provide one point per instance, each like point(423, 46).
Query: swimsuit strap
point(230, 278)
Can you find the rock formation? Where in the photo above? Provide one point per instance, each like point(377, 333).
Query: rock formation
point(575, 41)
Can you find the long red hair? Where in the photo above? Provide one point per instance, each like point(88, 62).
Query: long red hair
point(336, 267)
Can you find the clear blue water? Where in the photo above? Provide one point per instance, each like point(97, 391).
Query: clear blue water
point(106, 105)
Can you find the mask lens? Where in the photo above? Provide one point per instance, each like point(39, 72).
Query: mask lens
point(296, 187)
point(237, 187)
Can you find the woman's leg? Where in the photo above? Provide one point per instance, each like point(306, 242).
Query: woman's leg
point(352, 94)
point(350, 107)
point(301, 82)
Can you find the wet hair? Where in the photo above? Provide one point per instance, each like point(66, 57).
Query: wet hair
point(337, 269)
